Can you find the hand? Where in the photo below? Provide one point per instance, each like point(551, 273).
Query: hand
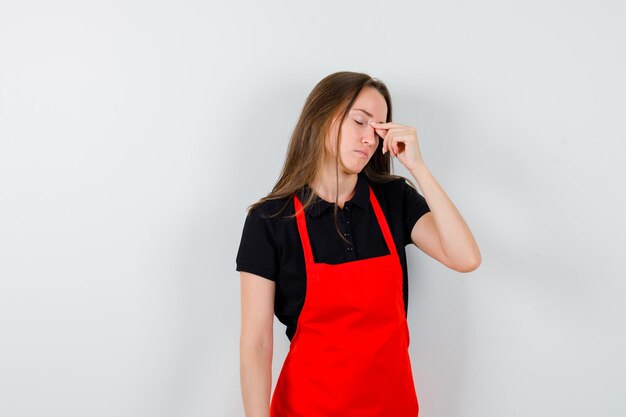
point(401, 141)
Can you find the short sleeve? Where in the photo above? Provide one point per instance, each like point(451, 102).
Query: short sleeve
point(415, 206)
point(257, 250)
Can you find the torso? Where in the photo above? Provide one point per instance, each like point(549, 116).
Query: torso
point(282, 258)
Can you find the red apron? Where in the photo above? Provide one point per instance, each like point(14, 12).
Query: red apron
point(349, 355)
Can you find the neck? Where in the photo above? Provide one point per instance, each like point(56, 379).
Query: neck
point(325, 185)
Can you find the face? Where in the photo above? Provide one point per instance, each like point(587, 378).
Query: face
point(358, 139)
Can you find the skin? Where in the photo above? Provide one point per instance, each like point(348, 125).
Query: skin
point(356, 136)
point(442, 233)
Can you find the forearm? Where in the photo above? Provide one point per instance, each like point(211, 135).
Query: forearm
point(256, 377)
point(456, 238)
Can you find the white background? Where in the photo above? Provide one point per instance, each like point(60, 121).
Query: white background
point(133, 135)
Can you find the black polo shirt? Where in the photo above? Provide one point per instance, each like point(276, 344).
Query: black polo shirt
point(271, 247)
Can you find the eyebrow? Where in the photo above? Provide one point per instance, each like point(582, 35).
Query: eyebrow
point(366, 112)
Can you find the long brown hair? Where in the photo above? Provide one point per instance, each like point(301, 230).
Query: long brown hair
point(333, 95)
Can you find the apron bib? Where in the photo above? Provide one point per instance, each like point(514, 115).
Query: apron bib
point(349, 355)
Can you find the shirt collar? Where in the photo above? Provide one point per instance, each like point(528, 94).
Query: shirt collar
point(361, 197)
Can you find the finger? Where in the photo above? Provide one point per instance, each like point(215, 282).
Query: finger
point(382, 134)
point(387, 143)
point(383, 125)
point(398, 144)
point(384, 148)
point(395, 148)
point(378, 129)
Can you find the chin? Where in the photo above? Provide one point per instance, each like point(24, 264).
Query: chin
point(354, 168)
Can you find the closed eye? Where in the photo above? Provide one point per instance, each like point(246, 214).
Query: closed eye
point(359, 123)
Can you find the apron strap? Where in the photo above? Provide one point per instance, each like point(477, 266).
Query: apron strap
point(382, 223)
point(304, 233)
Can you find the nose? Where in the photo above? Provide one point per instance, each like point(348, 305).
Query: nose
point(370, 136)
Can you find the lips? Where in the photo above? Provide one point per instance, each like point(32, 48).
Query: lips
point(363, 154)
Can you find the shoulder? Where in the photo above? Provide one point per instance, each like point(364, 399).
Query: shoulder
point(271, 209)
point(399, 195)
point(262, 238)
point(270, 215)
point(391, 189)
point(264, 227)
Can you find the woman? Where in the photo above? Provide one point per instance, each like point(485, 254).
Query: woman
point(337, 278)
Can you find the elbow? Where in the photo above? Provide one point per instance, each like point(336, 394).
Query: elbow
point(469, 265)
point(256, 341)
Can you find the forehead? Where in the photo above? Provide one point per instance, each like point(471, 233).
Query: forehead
point(370, 103)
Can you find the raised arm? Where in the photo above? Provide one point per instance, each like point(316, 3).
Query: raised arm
point(443, 233)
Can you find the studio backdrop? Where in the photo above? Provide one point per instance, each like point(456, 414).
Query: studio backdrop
point(134, 134)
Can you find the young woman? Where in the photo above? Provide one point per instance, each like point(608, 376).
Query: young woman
point(325, 252)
